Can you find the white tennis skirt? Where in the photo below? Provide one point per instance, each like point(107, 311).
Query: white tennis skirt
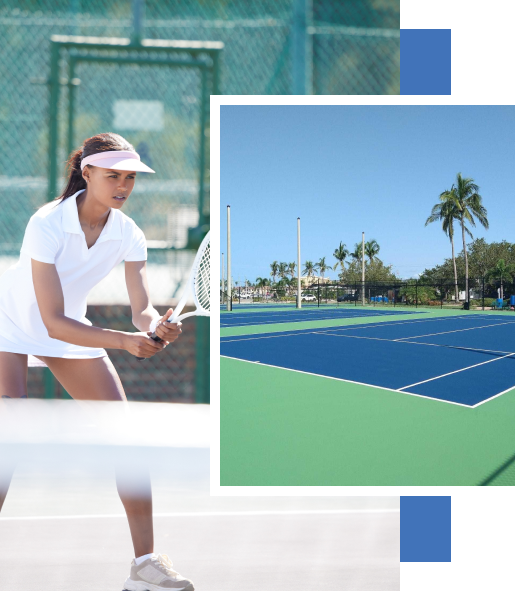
point(79, 352)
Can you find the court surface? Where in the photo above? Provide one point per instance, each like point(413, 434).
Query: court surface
point(277, 314)
point(464, 360)
point(63, 526)
point(425, 398)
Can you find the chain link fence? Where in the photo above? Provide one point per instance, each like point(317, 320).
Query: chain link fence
point(484, 294)
point(270, 47)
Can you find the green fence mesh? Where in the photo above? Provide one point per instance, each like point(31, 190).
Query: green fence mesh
point(270, 47)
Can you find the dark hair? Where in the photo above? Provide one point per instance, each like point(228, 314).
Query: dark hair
point(103, 142)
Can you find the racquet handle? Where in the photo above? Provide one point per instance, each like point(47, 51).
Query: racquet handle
point(155, 338)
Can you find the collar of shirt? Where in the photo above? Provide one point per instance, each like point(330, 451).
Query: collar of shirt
point(71, 223)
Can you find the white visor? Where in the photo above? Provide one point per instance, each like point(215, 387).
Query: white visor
point(117, 160)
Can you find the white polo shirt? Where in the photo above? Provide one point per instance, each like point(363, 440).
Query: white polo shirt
point(54, 235)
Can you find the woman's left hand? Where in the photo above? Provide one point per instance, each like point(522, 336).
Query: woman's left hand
point(168, 331)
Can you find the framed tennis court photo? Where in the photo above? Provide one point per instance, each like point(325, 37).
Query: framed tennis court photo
point(367, 294)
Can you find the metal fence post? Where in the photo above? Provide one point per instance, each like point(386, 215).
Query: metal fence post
point(49, 384)
point(301, 47)
point(202, 375)
point(416, 293)
point(483, 293)
point(54, 91)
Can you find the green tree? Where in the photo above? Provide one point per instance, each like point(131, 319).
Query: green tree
point(309, 270)
point(483, 256)
point(291, 269)
point(340, 253)
point(378, 271)
point(322, 267)
point(357, 253)
point(501, 272)
point(282, 270)
point(446, 212)
point(372, 248)
point(468, 203)
point(274, 269)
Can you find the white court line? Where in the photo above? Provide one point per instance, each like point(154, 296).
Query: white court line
point(348, 327)
point(492, 397)
point(433, 334)
point(350, 336)
point(309, 373)
point(212, 514)
point(457, 371)
point(296, 321)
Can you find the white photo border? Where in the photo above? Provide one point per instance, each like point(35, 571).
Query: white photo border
point(215, 210)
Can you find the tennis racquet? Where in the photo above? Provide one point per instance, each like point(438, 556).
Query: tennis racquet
point(198, 285)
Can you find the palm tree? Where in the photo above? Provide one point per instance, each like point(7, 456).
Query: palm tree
point(283, 270)
point(446, 212)
point(274, 270)
point(340, 253)
point(468, 203)
point(502, 272)
point(322, 267)
point(309, 269)
point(291, 271)
point(357, 253)
point(371, 249)
point(261, 283)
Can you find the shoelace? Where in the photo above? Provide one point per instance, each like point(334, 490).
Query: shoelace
point(166, 564)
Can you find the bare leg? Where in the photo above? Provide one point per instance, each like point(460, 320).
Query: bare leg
point(6, 474)
point(97, 379)
point(135, 493)
point(13, 384)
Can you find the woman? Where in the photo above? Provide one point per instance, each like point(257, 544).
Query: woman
point(70, 245)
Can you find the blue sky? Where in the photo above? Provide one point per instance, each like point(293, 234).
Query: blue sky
point(348, 169)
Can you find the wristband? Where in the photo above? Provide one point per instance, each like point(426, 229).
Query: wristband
point(154, 322)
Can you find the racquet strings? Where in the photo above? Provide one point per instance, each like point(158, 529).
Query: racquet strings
point(202, 280)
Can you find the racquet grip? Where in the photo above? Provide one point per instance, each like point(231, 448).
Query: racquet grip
point(155, 338)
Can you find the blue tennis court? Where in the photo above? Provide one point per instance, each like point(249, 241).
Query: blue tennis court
point(463, 360)
point(278, 315)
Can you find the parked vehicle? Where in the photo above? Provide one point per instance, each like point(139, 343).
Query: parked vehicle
point(308, 298)
point(347, 297)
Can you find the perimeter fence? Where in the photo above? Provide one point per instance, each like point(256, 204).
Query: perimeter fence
point(484, 293)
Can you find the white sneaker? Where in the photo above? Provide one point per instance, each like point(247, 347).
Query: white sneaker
point(156, 574)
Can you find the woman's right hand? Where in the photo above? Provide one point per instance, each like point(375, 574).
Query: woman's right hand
point(140, 345)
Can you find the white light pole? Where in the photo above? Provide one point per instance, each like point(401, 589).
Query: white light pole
point(229, 263)
point(363, 270)
point(222, 276)
point(298, 262)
